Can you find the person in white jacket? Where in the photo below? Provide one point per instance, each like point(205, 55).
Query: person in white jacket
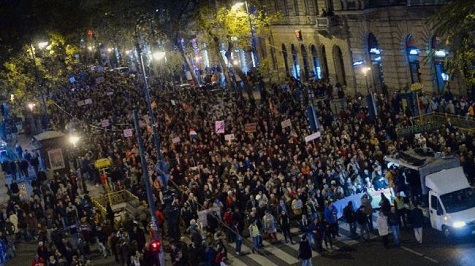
point(383, 228)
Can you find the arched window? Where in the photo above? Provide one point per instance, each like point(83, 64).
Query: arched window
point(317, 71)
point(295, 62)
point(285, 55)
point(438, 53)
point(374, 52)
point(306, 70)
point(325, 63)
point(413, 58)
point(339, 65)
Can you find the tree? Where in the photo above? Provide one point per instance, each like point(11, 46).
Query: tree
point(232, 27)
point(456, 22)
point(32, 67)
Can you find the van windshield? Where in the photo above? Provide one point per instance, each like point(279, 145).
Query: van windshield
point(459, 200)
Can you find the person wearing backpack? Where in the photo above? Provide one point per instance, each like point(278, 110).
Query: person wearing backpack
point(228, 219)
point(362, 220)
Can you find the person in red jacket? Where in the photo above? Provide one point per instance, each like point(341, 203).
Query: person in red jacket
point(38, 261)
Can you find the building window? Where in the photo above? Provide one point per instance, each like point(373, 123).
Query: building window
point(375, 53)
point(285, 55)
point(317, 71)
point(413, 58)
point(339, 65)
point(295, 63)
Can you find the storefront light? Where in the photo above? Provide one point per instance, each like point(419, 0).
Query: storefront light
point(374, 51)
point(440, 53)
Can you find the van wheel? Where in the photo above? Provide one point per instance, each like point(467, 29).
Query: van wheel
point(447, 232)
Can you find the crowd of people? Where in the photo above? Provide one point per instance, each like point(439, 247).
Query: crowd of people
point(258, 177)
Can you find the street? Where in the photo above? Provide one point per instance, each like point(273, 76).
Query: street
point(434, 250)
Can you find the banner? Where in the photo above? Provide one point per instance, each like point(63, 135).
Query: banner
point(286, 123)
point(219, 127)
point(313, 136)
point(251, 127)
point(128, 133)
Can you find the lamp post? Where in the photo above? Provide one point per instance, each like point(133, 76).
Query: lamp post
point(163, 178)
point(255, 60)
point(41, 45)
point(74, 139)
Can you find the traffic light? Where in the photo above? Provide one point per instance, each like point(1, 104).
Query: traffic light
point(154, 246)
point(298, 35)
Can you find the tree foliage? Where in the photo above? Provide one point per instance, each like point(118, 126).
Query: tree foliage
point(456, 23)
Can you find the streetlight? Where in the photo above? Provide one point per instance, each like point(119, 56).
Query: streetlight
point(365, 71)
point(158, 55)
point(255, 60)
point(74, 140)
point(41, 45)
point(31, 106)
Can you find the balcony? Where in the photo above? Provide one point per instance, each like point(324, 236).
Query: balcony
point(324, 23)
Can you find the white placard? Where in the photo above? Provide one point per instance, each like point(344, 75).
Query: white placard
point(88, 101)
point(313, 136)
point(110, 93)
point(229, 137)
point(176, 140)
point(286, 123)
point(128, 132)
point(173, 102)
point(105, 123)
point(80, 103)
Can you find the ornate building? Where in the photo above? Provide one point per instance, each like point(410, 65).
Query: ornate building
point(362, 44)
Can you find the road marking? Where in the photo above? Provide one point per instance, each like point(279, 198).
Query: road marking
point(419, 254)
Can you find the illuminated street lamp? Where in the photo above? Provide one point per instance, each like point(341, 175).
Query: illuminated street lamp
point(235, 7)
point(31, 106)
point(158, 55)
point(73, 139)
point(365, 71)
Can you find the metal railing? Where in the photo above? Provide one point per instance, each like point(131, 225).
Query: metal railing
point(429, 122)
point(113, 198)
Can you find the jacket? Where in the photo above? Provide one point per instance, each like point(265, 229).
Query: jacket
point(305, 252)
point(417, 218)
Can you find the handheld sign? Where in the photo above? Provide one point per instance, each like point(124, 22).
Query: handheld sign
point(128, 132)
point(219, 127)
point(313, 136)
point(286, 123)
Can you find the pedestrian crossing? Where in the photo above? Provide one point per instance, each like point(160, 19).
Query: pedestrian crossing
point(281, 253)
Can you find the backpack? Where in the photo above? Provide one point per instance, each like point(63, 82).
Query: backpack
point(228, 218)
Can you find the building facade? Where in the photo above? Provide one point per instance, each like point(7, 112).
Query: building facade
point(362, 44)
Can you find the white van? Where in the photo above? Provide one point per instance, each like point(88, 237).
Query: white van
point(451, 202)
point(445, 190)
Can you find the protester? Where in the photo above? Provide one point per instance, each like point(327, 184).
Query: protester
point(267, 170)
point(417, 220)
point(383, 228)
